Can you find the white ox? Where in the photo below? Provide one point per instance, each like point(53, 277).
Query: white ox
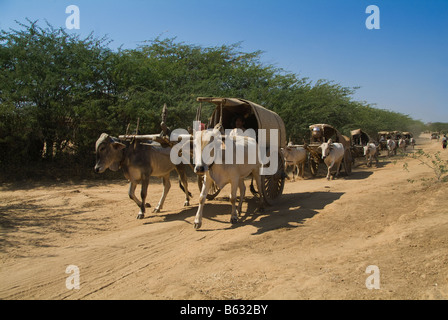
point(332, 154)
point(402, 145)
point(391, 147)
point(412, 142)
point(295, 157)
point(224, 173)
point(370, 152)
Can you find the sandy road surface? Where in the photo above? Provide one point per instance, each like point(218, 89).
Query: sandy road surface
point(315, 244)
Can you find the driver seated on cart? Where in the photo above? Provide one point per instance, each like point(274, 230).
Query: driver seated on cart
point(164, 135)
point(239, 128)
point(317, 135)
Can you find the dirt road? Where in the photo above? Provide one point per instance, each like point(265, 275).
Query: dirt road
point(315, 244)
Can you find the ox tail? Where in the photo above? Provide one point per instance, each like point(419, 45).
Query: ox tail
point(181, 172)
point(252, 188)
point(183, 189)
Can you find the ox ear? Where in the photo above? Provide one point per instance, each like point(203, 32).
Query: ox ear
point(330, 141)
point(118, 145)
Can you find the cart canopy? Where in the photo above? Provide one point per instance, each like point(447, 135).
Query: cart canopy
point(256, 116)
point(325, 131)
point(359, 137)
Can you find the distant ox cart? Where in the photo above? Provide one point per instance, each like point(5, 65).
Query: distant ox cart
point(383, 136)
point(321, 133)
point(409, 138)
point(358, 140)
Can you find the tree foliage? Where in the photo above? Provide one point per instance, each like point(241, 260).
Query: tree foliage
point(58, 92)
point(438, 127)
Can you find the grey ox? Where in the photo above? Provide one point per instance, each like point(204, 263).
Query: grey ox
point(139, 162)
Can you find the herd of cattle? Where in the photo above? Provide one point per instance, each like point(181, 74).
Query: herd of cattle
point(139, 161)
point(333, 153)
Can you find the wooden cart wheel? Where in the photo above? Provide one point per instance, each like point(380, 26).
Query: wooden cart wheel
point(214, 190)
point(272, 185)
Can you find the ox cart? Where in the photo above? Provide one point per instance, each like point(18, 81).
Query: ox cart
point(255, 117)
point(358, 139)
point(383, 136)
point(397, 135)
point(407, 136)
point(321, 133)
point(435, 136)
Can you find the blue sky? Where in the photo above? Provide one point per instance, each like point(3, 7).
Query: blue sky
point(402, 67)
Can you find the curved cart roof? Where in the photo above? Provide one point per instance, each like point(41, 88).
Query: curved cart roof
point(359, 134)
point(329, 132)
point(265, 118)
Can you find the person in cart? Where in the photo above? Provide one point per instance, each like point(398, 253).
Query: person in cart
point(165, 135)
point(317, 135)
point(239, 128)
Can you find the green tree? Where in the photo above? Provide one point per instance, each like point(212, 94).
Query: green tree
point(62, 91)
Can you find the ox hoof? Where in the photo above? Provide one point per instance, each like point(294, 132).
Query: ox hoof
point(197, 225)
point(233, 220)
point(259, 210)
point(156, 210)
point(187, 204)
point(147, 205)
point(140, 216)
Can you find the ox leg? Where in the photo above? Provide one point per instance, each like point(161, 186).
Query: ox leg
point(329, 171)
point(286, 168)
point(166, 189)
point(205, 188)
point(302, 168)
point(294, 168)
point(256, 175)
point(242, 187)
point(131, 192)
point(233, 192)
point(184, 180)
point(338, 168)
point(143, 193)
